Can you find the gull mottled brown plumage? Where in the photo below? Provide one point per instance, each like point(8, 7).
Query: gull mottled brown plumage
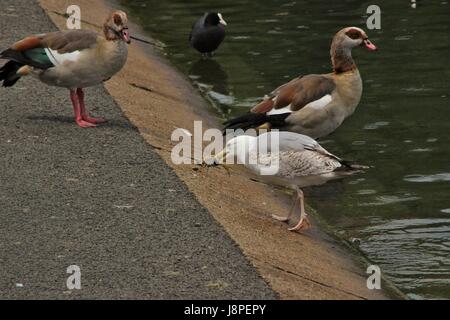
point(291, 160)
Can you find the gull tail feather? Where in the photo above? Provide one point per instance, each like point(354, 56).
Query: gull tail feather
point(349, 168)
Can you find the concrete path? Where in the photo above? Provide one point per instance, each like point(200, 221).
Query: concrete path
point(100, 199)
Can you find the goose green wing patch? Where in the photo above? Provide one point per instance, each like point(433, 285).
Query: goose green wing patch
point(40, 57)
point(36, 57)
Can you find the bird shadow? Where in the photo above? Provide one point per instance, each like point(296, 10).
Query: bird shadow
point(65, 119)
point(210, 72)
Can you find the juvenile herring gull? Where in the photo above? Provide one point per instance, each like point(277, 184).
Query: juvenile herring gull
point(299, 162)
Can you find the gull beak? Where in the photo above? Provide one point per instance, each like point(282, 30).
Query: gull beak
point(222, 21)
point(369, 45)
point(220, 157)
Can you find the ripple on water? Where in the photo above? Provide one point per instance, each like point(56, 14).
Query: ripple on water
point(415, 89)
point(165, 18)
point(376, 125)
point(241, 37)
point(221, 98)
point(289, 4)
point(249, 102)
point(385, 200)
point(428, 178)
point(366, 191)
point(356, 181)
point(403, 38)
point(414, 252)
point(267, 21)
point(421, 150)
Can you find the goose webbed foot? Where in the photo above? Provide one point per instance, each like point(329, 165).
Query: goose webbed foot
point(82, 117)
point(85, 124)
point(74, 97)
point(92, 120)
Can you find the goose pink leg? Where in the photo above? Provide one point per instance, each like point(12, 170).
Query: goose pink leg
point(77, 111)
point(84, 113)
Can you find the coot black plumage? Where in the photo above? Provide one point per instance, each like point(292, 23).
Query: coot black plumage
point(208, 33)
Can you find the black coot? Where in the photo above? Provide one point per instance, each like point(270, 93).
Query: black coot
point(208, 33)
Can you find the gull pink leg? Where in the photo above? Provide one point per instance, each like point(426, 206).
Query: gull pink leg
point(84, 113)
point(303, 223)
point(77, 111)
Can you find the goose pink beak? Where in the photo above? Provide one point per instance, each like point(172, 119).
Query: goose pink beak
point(126, 35)
point(369, 45)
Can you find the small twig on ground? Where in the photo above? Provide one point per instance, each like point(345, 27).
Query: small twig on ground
point(141, 87)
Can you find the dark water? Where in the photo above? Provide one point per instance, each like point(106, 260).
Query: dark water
point(400, 209)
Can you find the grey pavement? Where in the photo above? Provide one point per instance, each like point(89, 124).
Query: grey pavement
point(101, 199)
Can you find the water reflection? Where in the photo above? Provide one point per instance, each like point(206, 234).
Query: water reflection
point(389, 199)
point(210, 78)
point(210, 72)
point(428, 178)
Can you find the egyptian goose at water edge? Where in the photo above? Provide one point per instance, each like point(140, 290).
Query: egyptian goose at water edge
point(208, 33)
point(314, 105)
point(73, 59)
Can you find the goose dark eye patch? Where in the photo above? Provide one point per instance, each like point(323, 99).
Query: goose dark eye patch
point(353, 34)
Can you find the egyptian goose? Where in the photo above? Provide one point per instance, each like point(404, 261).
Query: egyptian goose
point(73, 59)
point(314, 105)
point(208, 33)
point(299, 161)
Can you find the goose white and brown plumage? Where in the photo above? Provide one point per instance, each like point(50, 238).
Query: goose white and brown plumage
point(73, 59)
point(316, 104)
point(299, 161)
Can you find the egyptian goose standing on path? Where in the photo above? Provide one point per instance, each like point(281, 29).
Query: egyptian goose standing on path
point(73, 59)
point(314, 105)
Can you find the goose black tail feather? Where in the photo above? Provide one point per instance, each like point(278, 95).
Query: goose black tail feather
point(254, 120)
point(8, 73)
